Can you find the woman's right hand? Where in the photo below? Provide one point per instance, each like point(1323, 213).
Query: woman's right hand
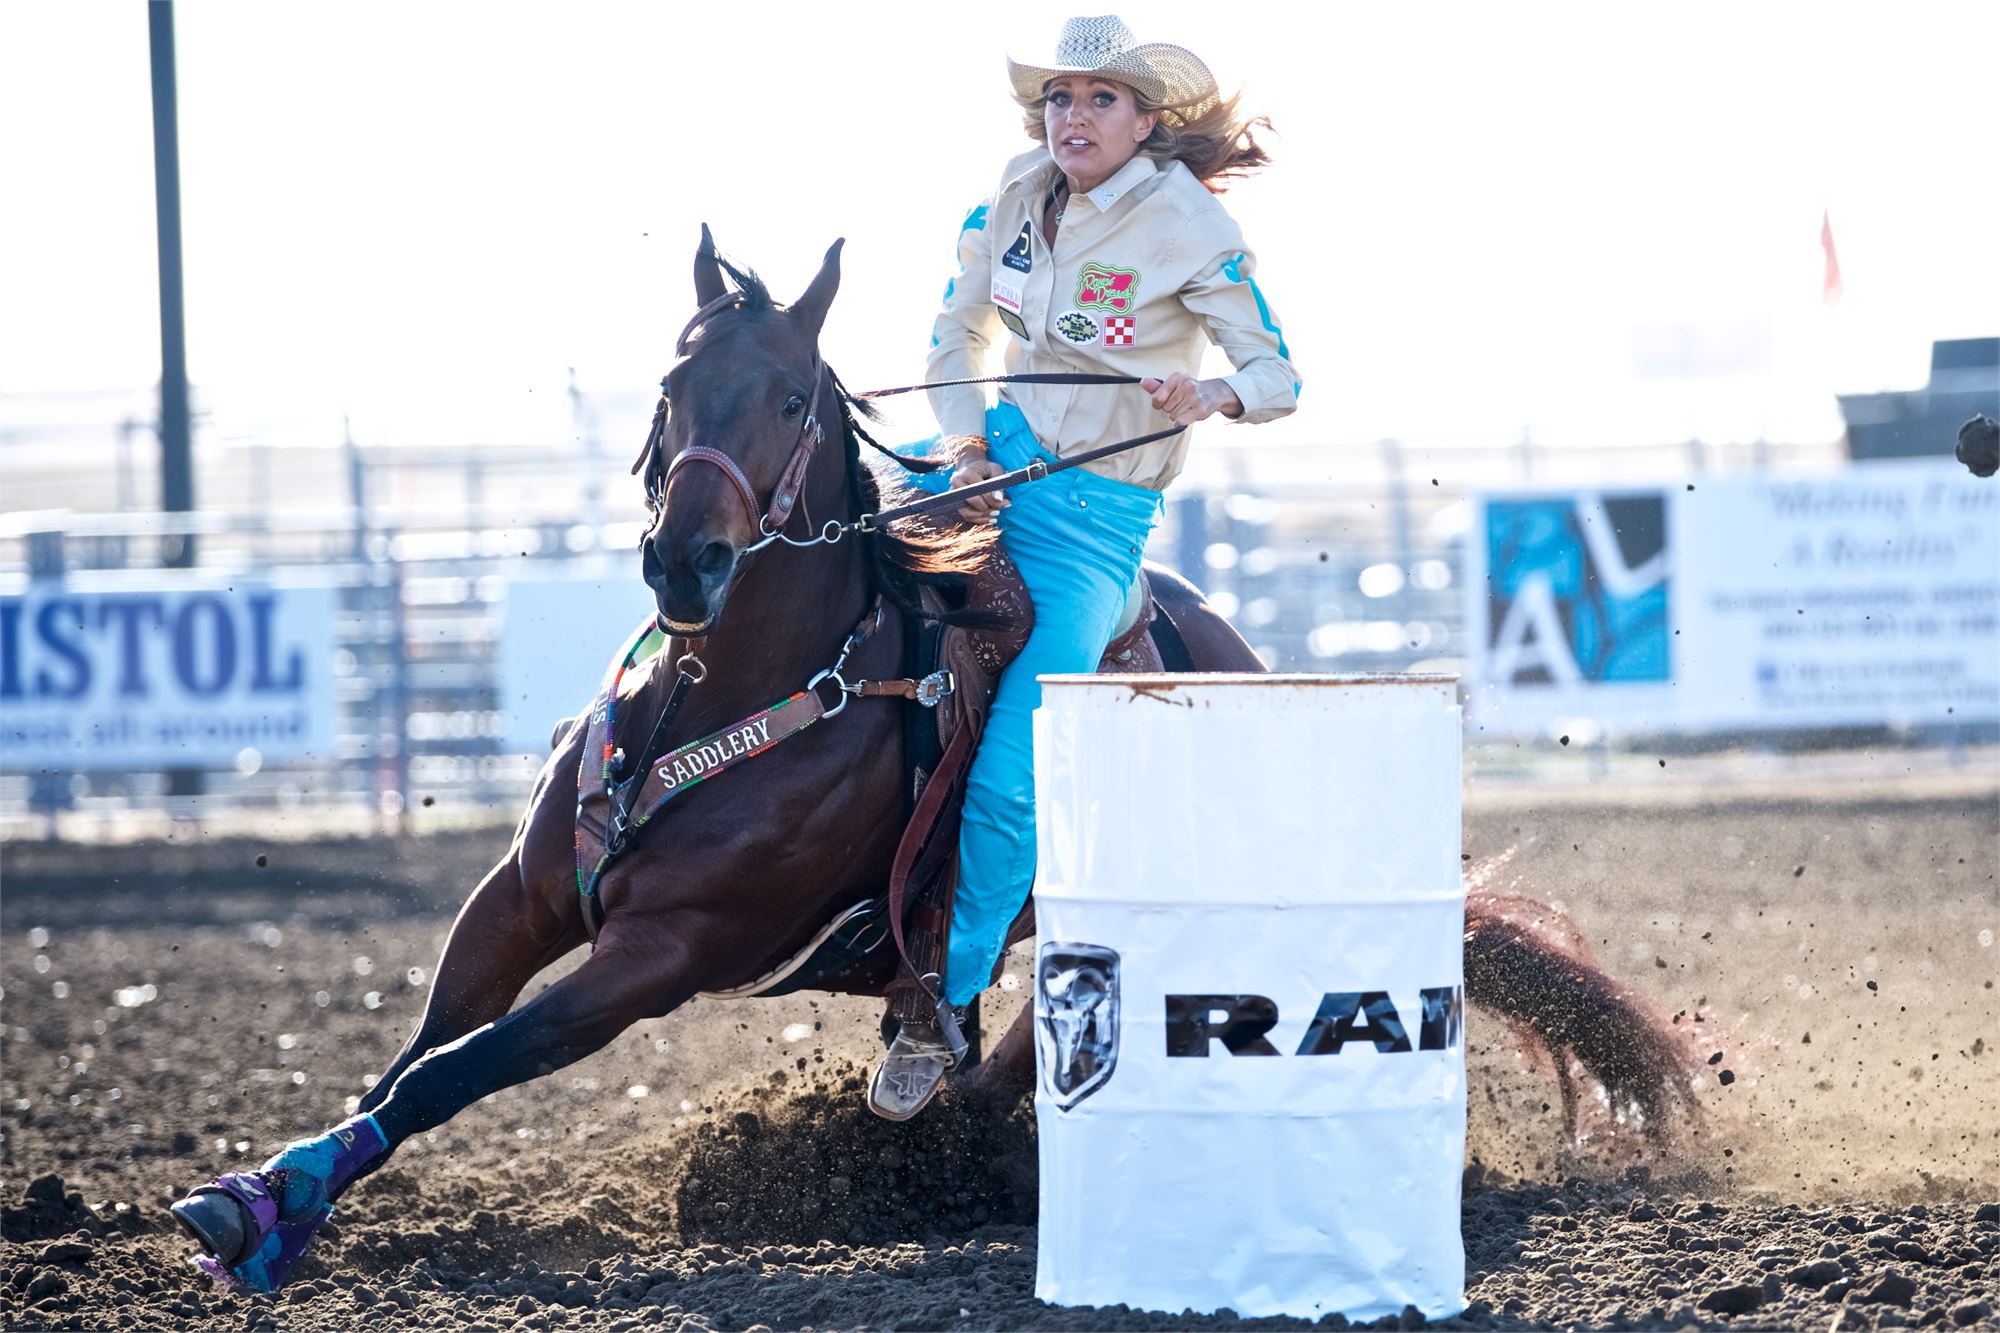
point(980, 508)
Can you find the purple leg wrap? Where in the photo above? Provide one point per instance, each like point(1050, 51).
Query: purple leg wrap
point(289, 1199)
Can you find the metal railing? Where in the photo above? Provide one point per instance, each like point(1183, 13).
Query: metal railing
point(1326, 560)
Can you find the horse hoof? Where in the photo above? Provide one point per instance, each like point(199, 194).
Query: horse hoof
point(249, 1247)
point(218, 1224)
point(270, 1265)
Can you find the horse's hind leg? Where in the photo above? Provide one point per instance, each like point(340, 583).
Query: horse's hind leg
point(254, 1226)
point(1010, 1066)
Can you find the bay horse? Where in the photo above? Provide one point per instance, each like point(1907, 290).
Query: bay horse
point(741, 870)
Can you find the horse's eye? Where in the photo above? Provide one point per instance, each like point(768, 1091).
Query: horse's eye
point(794, 405)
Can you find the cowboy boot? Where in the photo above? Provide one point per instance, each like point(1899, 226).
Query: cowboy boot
point(913, 1068)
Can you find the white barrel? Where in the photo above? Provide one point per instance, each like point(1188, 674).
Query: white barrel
point(1249, 982)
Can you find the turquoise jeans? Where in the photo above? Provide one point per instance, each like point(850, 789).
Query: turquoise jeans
point(1077, 539)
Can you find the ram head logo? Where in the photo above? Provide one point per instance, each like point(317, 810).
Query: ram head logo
point(1076, 1019)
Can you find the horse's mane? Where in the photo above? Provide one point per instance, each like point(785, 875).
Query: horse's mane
point(911, 552)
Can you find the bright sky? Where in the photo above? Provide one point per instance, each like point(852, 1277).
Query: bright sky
point(423, 214)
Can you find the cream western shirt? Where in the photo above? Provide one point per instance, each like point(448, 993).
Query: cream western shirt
point(1143, 267)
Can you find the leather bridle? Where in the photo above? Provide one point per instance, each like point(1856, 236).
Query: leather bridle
point(770, 520)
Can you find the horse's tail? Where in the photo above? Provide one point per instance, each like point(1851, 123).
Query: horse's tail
point(1525, 962)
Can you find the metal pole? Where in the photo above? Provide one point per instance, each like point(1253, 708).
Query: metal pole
point(177, 551)
point(176, 453)
point(357, 488)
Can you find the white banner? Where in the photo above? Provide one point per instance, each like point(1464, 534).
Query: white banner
point(555, 642)
point(148, 677)
point(1249, 995)
point(1866, 597)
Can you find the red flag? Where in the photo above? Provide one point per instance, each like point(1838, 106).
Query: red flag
point(1830, 285)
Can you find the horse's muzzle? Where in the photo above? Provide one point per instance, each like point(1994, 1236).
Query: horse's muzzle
point(689, 576)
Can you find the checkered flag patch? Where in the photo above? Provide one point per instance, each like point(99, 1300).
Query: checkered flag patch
point(1118, 331)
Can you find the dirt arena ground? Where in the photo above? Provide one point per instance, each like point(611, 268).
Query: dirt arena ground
point(175, 1009)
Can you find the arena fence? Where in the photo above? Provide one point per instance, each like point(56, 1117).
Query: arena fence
point(1327, 560)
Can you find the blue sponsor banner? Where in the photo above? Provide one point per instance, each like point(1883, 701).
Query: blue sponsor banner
point(1578, 589)
point(1866, 596)
point(147, 677)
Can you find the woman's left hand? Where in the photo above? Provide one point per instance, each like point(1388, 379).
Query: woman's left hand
point(1186, 400)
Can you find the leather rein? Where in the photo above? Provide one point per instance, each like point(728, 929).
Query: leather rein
point(770, 520)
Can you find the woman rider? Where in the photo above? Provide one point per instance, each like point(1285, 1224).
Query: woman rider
point(1104, 249)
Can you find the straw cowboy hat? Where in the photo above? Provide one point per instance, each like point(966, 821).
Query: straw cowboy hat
point(1172, 77)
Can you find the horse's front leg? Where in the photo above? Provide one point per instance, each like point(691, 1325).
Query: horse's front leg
point(640, 969)
point(255, 1226)
point(504, 935)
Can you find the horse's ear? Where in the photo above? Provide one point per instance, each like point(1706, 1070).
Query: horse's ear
point(707, 273)
point(810, 309)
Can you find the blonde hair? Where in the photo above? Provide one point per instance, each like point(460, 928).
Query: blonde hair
point(1212, 138)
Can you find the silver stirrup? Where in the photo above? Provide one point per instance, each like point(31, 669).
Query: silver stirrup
point(913, 1069)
